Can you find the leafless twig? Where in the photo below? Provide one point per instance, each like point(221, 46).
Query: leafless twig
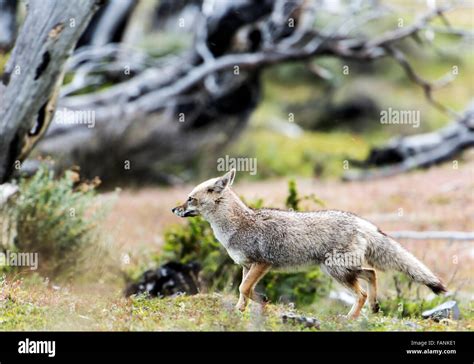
point(434, 235)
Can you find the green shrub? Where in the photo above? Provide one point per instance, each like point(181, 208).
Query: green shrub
point(403, 307)
point(293, 200)
point(195, 241)
point(57, 221)
point(408, 301)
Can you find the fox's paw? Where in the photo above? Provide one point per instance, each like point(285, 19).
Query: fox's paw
point(351, 317)
point(241, 306)
point(375, 307)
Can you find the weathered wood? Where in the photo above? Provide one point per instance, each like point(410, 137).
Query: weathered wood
point(433, 235)
point(7, 190)
point(33, 74)
point(7, 221)
point(8, 24)
point(108, 25)
point(140, 118)
point(403, 154)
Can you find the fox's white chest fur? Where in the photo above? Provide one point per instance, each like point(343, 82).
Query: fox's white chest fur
point(223, 236)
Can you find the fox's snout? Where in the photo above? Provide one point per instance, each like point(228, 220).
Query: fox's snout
point(182, 211)
point(178, 210)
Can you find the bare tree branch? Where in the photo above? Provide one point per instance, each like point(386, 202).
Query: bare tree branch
point(433, 235)
point(428, 87)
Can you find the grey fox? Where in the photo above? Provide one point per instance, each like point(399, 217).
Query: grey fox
point(264, 239)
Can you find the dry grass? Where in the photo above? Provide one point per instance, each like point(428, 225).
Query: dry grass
point(437, 199)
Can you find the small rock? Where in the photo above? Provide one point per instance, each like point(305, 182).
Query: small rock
point(292, 318)
point(448, 309)
point(7, 190)
point(413, 325)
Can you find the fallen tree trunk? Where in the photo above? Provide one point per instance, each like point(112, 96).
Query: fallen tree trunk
point(418, 151)
point(163, 116)
point(33, 75)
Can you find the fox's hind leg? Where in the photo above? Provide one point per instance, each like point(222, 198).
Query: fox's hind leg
point(361, 297)
point(370, 276)
point(349, 278)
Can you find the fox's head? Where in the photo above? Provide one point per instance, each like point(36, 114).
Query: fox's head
point(206, 196)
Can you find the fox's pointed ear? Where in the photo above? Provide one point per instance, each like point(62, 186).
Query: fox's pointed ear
point(224, 181)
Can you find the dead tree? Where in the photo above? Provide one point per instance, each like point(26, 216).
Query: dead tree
point(33, 75)
point(162, 113)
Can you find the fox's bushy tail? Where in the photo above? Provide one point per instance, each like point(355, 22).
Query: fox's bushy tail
point(385, 253)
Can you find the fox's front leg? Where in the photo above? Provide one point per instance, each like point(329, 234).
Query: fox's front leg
point(249, 281)
point(243, 301)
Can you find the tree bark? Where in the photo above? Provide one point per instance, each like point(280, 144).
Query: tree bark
point(33, 74)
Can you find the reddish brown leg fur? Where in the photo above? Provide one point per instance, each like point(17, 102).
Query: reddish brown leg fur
point(249, 281)
point(370, 275)
point(360, 300)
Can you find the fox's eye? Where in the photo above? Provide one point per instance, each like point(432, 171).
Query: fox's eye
point(190, 199)
point(210, 190)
